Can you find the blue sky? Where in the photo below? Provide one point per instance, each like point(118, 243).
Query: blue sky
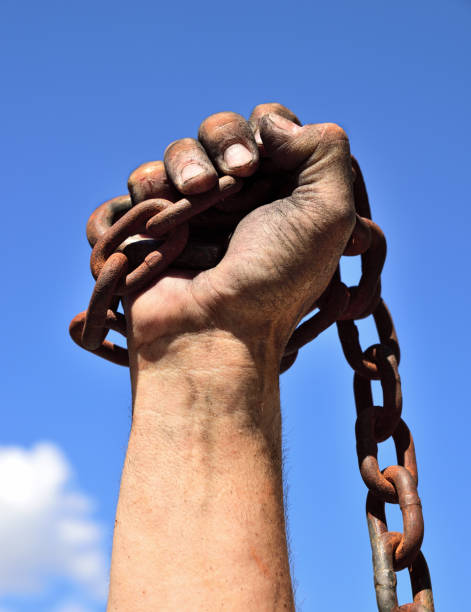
point(93, 89)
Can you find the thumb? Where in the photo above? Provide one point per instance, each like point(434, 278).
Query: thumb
point(289, 145)
point(317, 156)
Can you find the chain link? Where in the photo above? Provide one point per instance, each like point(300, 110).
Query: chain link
point(110, 230)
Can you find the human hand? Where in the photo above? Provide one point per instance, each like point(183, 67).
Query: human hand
point(282, 254)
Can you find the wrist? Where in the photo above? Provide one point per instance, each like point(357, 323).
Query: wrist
point(192, 384)
point(208, 353)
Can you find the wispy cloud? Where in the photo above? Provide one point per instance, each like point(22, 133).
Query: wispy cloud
point(47, 530)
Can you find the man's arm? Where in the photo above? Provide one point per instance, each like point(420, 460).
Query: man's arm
point(200, 520)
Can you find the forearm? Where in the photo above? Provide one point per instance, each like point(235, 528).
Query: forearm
point(200, 520)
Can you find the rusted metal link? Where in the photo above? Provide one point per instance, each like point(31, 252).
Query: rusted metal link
point(335, 303)
point(372, 261)
point(103, 217)
point(197, 255)
point(421, 587)
point(385, 548)
point(156, 217)
point(403, 547)
point(385, 578)
point(112, 276)
point(349, 339)
point(133, 222)
point(367, 452)
point(373, 303)
point(94, 330)
point(360, 194)
point(386, 330)
point(386, 418)
point(108, 350)
point(287, 361)
point(360, 240)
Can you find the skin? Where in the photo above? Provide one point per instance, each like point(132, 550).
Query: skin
point(200, 521)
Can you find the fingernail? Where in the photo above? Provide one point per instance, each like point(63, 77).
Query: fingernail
point(237, 155)
point(283, 123)
point(258, 138)
point(191, 171)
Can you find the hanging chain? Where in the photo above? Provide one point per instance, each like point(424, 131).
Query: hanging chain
point(396, 484)
point(113, 223)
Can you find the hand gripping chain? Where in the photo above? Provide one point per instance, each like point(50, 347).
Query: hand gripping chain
point(115, 221)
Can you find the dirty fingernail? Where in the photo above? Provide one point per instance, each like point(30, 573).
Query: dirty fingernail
point(237, 155)
point(191, 171)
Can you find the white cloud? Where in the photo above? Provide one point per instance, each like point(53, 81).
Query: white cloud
point(46, 528)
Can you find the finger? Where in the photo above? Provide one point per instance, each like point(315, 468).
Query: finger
point(189, 167)
point(264, 109)
point(149, 181)
point(230, 143)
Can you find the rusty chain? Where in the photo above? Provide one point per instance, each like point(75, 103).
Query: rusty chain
point(118, 272)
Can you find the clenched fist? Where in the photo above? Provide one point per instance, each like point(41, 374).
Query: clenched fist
point(297, 213)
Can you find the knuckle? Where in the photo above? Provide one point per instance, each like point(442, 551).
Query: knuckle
point(266, 107)
point(150, 171)
point(147, 180)
point(332, 132)
point(147, 170)
point(170, 147)
point(220, 123)
point(180, 145)
point(273, 107)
